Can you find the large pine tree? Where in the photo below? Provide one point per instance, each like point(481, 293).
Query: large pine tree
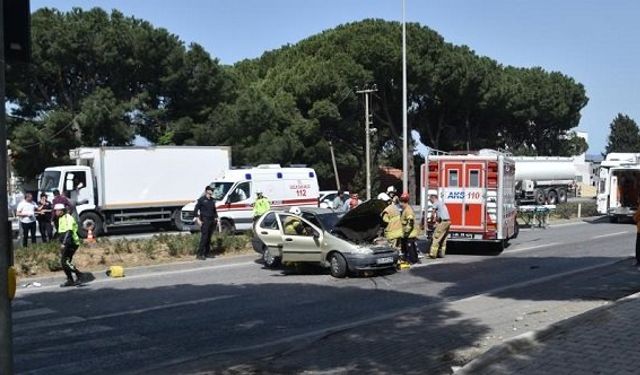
point(624, 135)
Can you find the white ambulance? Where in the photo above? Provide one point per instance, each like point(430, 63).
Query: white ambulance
point(236, 190)
point(478, 190)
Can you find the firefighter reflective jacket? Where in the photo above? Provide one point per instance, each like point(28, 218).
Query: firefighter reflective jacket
point(391, 216)
point(409, 227)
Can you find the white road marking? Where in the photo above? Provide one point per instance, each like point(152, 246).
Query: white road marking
point(46, 323)
point(534, 247)
point(29, 313)
point(163, 307)
point(610, 234)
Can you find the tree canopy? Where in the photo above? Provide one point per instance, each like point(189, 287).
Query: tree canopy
point(101, 78)
point(624, 135)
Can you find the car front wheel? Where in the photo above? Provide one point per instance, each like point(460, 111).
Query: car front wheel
point(338, 265)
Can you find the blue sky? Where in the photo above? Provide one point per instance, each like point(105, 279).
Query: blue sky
point(594, 41)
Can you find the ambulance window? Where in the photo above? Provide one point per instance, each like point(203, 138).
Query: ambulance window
point(242, 192)
point(453, 177)
point(474, 178)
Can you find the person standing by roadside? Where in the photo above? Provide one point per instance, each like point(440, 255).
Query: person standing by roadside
point(206, 217)
point(26, 211)
point(351, 203)
point(338, 201)
point(44, 215)
point(68, 235)
point(409, 230)
point(441, 216)
point(261, 206)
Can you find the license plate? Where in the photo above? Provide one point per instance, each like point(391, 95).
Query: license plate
point(464, 235)
point(386, 260)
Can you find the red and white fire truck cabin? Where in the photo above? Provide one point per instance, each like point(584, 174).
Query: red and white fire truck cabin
point(478, 190)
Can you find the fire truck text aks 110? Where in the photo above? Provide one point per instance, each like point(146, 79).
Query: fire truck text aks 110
point(479, 192)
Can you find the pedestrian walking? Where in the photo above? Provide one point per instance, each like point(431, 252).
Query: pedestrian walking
point(206, 217)
point(440, 215)
point(26, 211)
point(43, 216)
point(409, 231)
point(70, 241)
point(391, 216)
point(261, 206)
point(351, 203)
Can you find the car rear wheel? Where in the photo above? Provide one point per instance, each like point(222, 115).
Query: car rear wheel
point(269, 258)
point(338, 265)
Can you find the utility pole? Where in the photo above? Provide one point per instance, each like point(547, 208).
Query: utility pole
point(6, 339)
point(367, 132)
point(15, 47)
point(405, 136)
point(335, 166)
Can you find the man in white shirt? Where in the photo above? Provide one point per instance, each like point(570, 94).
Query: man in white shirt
point(26, 211)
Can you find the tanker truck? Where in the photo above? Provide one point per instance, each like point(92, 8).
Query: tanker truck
point(543, 179)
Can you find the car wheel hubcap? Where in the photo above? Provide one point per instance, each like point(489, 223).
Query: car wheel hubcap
point(334, 264)
point(267, 257)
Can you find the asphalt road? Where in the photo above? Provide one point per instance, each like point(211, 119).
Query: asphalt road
point(238, 311)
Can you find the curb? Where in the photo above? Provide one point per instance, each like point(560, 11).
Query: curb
point(530, 340)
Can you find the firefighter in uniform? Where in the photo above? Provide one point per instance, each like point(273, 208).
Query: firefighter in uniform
point(292, 224)
point(68, 235)
point(409, 230)
point(391, 216)
point(441, 216)
point(261, 206)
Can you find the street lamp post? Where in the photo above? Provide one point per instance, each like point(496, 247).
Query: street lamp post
point(405, 140)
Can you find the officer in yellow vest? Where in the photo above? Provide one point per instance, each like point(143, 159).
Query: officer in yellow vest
point(261, 206)
point(68, 235)
point(409, 230)
point(391, 216)
point(292, 224)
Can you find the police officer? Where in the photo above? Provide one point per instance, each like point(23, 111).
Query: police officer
point(68, 235)
point(206, 217)
point(391, 216)
point(261, 206)
point(441, 231)
point(409, 230)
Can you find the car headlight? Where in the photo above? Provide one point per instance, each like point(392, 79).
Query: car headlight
point(362, 250)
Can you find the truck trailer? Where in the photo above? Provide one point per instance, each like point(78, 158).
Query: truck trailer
point(619, 185)
point(124, 186)
point(543, 179)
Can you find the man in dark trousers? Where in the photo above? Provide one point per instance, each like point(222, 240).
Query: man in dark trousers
point(206, 217)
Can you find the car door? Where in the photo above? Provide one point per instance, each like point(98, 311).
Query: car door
point(305, 247)
point(269, 234)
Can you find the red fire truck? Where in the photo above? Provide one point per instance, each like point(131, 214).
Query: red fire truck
point(478, 190)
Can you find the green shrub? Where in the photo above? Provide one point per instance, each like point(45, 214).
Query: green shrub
point(570, 209)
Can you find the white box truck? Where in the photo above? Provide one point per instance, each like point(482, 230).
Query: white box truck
point(236, 190)
point(124, 186)
point(543, 179)
point(619, 185)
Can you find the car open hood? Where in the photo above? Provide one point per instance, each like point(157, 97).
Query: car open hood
point(363, 223)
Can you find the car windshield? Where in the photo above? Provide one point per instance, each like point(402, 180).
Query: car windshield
point(49, 180)
point(329, 220)
point(220, 189)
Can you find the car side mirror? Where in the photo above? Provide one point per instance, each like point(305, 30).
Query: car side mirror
point(316, 235)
